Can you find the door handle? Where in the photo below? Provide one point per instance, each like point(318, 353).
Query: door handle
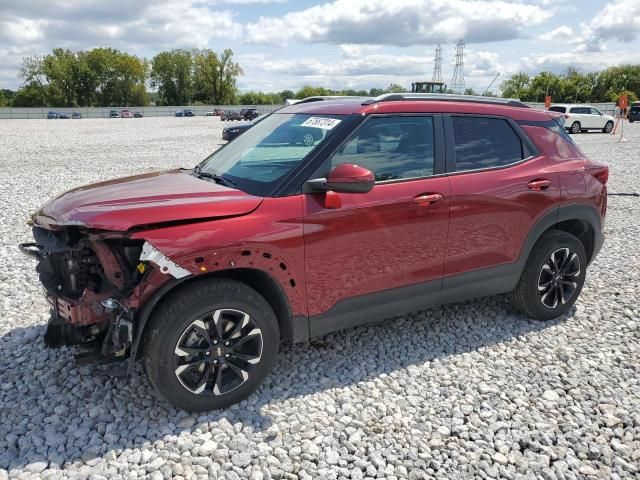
point(427, 199)
point(539, 184)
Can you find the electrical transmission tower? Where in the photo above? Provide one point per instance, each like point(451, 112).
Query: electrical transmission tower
point(457, 81)
point(437, 65)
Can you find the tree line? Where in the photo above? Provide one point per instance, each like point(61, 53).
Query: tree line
point(575, 87)
point(107, 77)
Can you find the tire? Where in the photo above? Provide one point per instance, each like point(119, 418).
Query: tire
point(575, 127)
point(175, 340)
point(527, 296)
point(608, 127)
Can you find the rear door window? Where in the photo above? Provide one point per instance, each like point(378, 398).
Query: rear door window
point(484, 142)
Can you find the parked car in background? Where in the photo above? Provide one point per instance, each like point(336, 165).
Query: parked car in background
point(218, 111)
point(231, 132)
point(407, 202)
point(138, 114)
point(114, 114)
point(249, 113)
point(582, 118)
point(209, 113)
point(179, 113)
point(229, 115)
point(64, 115)
point(126, 113)
point(189, 113)
point(52, 115)
point(634, 113)
point(76, 115)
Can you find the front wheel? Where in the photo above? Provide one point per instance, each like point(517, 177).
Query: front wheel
point(608, 127)
point(552, 277)
point(211, 345)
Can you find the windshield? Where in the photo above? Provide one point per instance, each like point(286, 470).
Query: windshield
point(260, 158)
point(558, 109)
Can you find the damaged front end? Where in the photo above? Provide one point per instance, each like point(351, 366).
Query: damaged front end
point(93, 283)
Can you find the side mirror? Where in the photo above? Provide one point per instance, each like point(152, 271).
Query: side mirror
point(345, 178)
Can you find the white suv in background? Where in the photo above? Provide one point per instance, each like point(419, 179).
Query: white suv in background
point(581, 118)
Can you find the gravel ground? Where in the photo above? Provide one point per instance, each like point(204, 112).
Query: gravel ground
point(463, 391)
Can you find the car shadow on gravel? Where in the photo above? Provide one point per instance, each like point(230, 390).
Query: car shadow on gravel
point(54, 413)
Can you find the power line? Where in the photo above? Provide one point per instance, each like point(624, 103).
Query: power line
point(457, 81)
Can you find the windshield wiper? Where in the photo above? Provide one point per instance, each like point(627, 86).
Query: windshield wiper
point(214, 176)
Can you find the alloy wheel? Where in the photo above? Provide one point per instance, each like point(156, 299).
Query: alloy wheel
point(575, 128)
point(217, 352)
point(608, 127)
point(308, 139)
point(558, 278)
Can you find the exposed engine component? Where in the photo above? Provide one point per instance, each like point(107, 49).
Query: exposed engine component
point(87, 278)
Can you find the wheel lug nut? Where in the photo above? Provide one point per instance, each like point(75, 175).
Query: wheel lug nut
point(215, 361)
point(227, 343)
point(226, 355)
point(208, 353)
point(215, 342)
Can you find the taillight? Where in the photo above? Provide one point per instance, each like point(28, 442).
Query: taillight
point(601, 174)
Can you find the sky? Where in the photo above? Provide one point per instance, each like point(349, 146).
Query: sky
point(285, 44)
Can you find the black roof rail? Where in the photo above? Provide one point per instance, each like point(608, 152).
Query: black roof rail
point(446, 97)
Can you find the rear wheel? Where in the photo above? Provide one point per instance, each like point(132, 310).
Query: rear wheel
point(608, 127)
point(211, 345)
point(575, 127)
point(552, 277)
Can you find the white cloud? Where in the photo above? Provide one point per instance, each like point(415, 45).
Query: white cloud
point(616, 21)
point(401, 22)
point(350, 50)
point(123, 24)
point(22, 30)
point(562, 33)
point(583, 61)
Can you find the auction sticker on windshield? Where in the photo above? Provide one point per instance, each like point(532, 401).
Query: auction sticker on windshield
point(320, 122)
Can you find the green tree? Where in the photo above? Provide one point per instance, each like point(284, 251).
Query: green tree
point(31, 95)
point(171, 73)
point(395, 88)
point(286, 95)
point(6, 97)
point(226, 78)
point(517, 86)
point(310, 91)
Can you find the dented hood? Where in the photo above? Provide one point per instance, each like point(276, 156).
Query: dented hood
point(153, 198)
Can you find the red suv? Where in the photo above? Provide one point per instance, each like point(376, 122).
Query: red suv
point(400, 202)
